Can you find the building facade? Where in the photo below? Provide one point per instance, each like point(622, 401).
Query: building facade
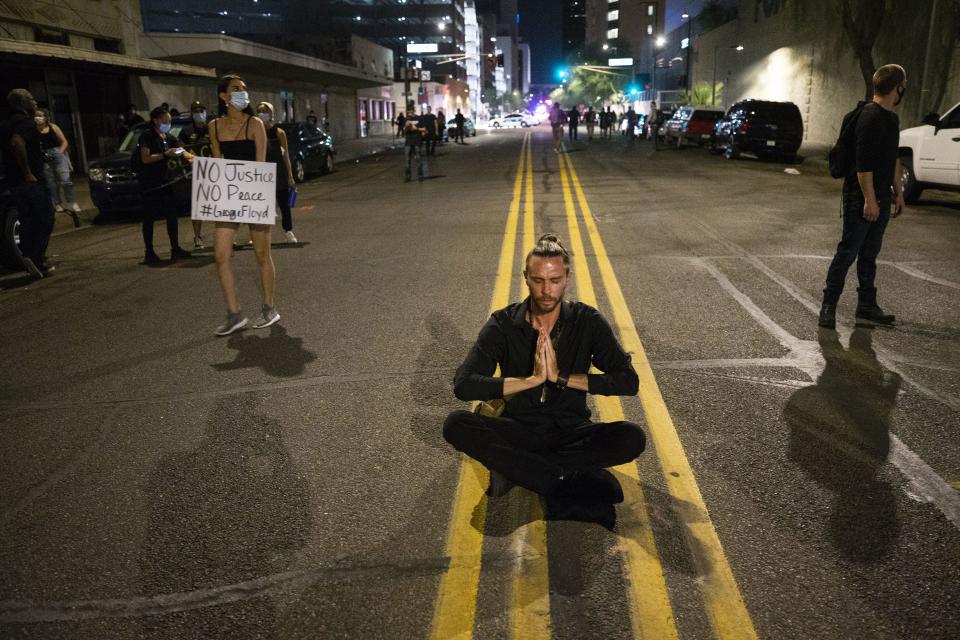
point(573, 30)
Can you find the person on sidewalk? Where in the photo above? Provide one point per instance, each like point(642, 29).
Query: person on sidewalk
point(428, 122)
point(279, 153)
point(557, 119)
point(573, 123)
point(441, 125)
point(56, 166)
point(197, 141)
point(544, 440)
point(23, 168)
point(591, 119)
point(460, 123)
point(239, 135)
point(156, 148)
point(413, 137)
point(401, 121)
point(867, 200)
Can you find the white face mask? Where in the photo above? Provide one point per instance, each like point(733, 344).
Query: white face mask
point(200, 117)
point(240, 100)
point(40, 120)
point(266, 117)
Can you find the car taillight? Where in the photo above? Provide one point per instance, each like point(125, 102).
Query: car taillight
point(744, 126)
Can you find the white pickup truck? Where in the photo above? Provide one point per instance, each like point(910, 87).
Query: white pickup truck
point(930, 154)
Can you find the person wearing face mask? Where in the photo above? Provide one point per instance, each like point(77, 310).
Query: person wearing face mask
point(156, 147)
point(239, 135)
point(279, 154)
point(872, 195)
point(56, 166)
point(197, 140)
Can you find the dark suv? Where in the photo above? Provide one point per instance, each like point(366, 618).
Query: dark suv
point(762, 127)
point(10, 227)
point(311, 149)
point(113, 183)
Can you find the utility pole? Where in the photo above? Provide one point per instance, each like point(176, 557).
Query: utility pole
point(689, 19)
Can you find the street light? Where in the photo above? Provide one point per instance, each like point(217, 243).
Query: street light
point(713, 88)
point(686, 16)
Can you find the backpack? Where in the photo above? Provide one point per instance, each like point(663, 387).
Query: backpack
point(843, 155)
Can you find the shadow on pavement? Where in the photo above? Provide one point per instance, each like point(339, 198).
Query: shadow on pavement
point(839, 435)
point(278, 354)
point(231, 509)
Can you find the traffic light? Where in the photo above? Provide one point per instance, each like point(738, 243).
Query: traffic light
point(634, 90)
point(562, 74)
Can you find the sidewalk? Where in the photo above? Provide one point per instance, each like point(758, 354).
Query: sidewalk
point(347, 151)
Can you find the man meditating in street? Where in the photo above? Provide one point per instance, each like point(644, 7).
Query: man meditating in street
point(544, 439)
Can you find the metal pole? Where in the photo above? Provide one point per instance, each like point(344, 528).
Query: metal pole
point(689, 49)
point(926, 59)
point(713, 87)
point(406, 84)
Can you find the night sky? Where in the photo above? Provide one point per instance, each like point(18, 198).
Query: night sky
point(540, 25)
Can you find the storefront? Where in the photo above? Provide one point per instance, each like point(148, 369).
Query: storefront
point(85, 90)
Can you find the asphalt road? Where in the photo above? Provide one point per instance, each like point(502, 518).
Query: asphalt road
point(158, 482)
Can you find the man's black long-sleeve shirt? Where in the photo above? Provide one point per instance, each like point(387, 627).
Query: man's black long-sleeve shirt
point(581, 337)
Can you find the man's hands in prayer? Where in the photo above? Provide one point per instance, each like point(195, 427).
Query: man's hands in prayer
point(549, 355)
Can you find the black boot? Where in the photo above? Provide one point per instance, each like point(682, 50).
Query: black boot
point(499, 485)
point(875, 315)
point(869, 311)
point(828, 316)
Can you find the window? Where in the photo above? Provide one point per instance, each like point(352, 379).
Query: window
point(649, 29)
point(613, 15)
point(50, 37)
point(951, 121)
point(613, 34)
point(108, 45)
point(649, 9)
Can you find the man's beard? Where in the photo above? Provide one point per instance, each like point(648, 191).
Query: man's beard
point(545, 306)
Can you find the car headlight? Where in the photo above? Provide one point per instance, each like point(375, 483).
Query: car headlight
point(97, 175)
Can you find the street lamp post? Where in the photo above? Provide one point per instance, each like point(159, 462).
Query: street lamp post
point(689, 20)
point(713, 88)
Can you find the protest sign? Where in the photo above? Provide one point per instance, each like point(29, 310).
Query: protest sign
point(234, 191)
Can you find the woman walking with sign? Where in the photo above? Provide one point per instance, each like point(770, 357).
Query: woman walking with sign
point(279, 154)
point(239, 135)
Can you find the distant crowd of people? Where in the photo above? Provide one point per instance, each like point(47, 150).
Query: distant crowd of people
point(629, 123)
point(422, 133)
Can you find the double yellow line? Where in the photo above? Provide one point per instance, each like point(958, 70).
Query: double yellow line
point(650, 610)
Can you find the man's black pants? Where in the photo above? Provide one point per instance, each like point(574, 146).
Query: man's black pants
point(36, 219)
point(860, 242)
point(537, 456)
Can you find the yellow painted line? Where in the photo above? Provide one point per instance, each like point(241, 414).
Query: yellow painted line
point(530, 594)
point(456, 606)
point(651, 615)
point(724, 603)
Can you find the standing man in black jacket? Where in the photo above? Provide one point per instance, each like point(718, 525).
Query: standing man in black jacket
point(544, 440)
point(868, 199)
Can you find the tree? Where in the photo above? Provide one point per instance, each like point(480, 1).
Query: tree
point(590, 85)
point(702, 94)
point(862, 20)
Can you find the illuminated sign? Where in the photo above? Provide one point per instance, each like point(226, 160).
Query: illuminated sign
point(620, 62)
point(422, 48)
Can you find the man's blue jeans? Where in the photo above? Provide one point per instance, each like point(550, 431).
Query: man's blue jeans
point(860, 243)
point(36, 220)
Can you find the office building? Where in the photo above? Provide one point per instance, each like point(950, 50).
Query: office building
point(574, 30)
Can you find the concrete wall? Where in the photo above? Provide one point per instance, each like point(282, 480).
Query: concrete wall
point(371, 57)
point(797, 50)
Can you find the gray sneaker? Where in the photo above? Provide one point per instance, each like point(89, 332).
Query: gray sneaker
point(234, 322)
point(268, 316)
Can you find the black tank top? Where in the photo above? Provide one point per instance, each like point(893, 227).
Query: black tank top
point(242, 149)
point(49, 140)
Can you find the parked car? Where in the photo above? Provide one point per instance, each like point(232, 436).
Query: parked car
point(930, 154)
point(512, 121)
point(762, 127)
point(10, 227)
point(469, 129)
point(113, 183)
point(692, 125)
point(311, 149)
